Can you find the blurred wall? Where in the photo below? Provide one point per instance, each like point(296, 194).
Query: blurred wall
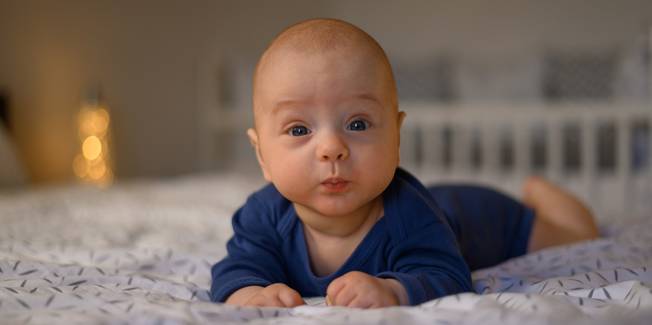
point(146, 54)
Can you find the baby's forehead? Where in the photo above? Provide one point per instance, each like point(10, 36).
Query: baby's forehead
point(335, 78)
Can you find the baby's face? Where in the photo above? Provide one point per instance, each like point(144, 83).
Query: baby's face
point(327, 128)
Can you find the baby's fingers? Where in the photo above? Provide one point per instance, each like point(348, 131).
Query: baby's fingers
point(290, 298)
point(334, 289)
point(344, 297)
point(362, 302)
point(265, 301)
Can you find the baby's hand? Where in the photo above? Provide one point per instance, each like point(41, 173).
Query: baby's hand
point(361, 290)
point(274, 295)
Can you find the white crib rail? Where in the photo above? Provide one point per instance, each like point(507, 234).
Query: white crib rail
point(614, 191)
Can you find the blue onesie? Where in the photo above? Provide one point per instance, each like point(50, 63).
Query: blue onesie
point(416, 242)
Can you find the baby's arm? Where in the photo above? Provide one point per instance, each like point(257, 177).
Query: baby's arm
point(428, 264)
point(424, 266)
point(361, 290)
point(252, 273)
point(421, 266)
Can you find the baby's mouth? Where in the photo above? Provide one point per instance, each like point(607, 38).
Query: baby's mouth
point(335, 184)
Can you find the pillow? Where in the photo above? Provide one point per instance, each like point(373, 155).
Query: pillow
point(11, 172)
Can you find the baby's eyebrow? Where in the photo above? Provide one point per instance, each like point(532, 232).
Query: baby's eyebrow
point(284, 105)
point(366, 96)
point(369, 97)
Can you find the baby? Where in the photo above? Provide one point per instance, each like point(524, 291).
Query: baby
point(340, 219)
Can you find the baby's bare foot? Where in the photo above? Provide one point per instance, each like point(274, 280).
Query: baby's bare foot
point(559, 207)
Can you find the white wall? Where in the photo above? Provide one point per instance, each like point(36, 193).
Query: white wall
point(146, 54)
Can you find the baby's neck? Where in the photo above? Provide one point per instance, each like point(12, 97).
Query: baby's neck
point(330, 242)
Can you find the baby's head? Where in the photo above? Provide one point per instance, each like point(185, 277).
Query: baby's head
point(326, 117)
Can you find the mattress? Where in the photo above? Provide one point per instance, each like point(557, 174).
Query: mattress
point(141, 252)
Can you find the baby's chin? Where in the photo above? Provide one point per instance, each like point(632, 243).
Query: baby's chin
point(327, 211)
point(334, 212)
point(338, 207)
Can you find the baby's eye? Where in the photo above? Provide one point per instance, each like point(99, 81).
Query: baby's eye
point(357, 125)
point(298, 131)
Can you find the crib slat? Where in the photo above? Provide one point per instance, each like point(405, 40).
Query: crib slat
point(431, 147)
point(489, 148)
point(521, 153)
point(588, 135)
point(461, 146)
point(554, 148)
point(623, 168)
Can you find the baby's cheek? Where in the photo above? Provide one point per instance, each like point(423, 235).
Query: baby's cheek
point(289, 174)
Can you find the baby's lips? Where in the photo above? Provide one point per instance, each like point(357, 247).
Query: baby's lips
point(334, 180)
point(335, 186)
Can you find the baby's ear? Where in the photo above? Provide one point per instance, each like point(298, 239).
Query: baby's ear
point(401, 117)
point(253, 139)
point(399, 121)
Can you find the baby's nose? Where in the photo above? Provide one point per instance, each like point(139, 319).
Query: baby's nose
point(332, 148)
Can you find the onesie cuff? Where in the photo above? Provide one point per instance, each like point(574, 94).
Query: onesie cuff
point(222, 293)
point(414, 288)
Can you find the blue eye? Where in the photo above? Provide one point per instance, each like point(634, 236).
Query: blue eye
point(298, 131)
point(357, 125)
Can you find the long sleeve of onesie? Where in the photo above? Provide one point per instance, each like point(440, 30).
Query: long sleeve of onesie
point(254, 258)
point(422, 252)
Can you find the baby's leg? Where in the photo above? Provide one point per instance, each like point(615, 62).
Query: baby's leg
point(560, 217)
point(490, 227)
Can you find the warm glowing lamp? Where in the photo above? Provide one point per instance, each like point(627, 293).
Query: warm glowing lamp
point(93, 164)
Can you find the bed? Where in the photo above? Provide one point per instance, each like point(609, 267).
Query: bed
point(141, 252)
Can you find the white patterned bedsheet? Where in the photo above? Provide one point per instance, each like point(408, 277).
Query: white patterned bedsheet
point(141, 253)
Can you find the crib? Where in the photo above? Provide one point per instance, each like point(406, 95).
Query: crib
point(601, 152)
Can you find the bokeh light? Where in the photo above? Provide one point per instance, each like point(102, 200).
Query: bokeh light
point(92, 147)
point(93, 163)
